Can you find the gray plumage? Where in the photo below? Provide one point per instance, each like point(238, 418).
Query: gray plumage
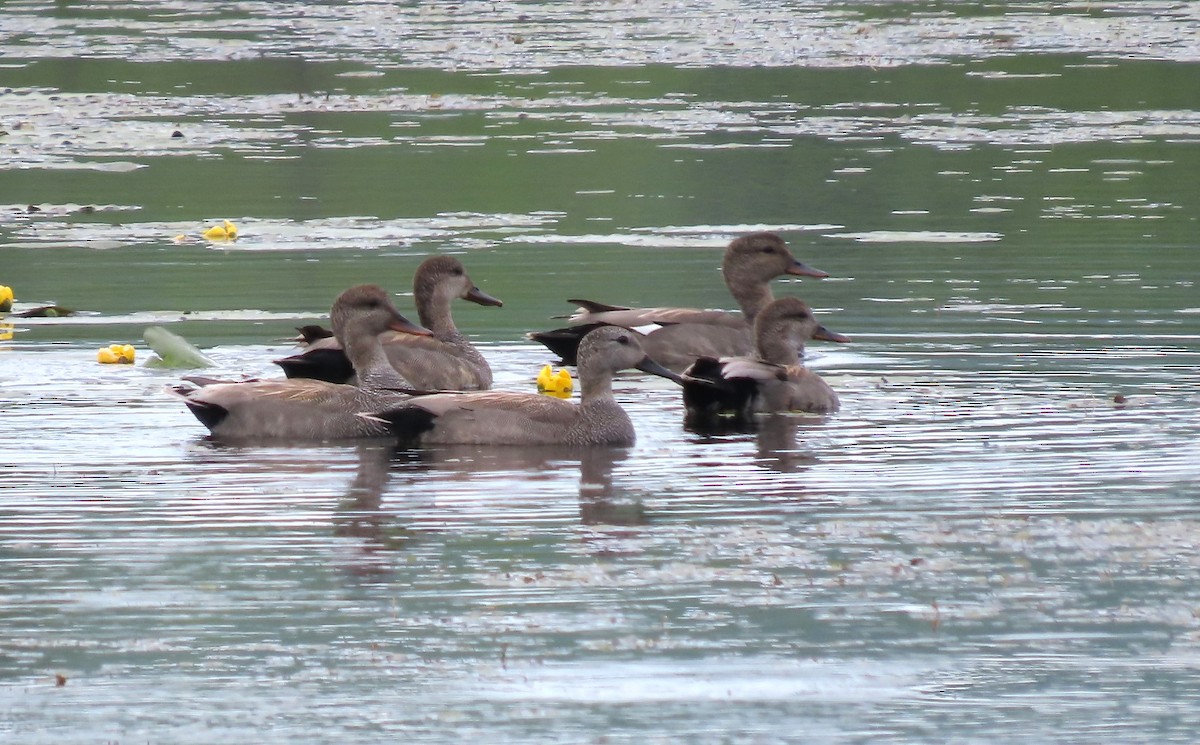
point(507, 418)
point(772, 380)
point(749, 264)
point(311, 410)
point(446, 360)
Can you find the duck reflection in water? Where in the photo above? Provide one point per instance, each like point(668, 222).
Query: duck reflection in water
point(600, 500)
point(777, 438)
point(382, 470)
point(360, 512)
point(777, 446)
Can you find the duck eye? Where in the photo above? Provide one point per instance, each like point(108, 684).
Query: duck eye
point(458, 272)
point(623, 339)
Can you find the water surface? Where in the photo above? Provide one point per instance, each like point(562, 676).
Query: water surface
point(994, 537)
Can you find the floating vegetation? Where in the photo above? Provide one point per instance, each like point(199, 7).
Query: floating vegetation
point(116, 354)
point(226, 231)
point(173, 350)
point(557, 384)
point(45, 311)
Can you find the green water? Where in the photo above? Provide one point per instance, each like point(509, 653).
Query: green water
point(980, 545)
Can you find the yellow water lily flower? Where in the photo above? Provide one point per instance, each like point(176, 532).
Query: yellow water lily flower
point(6, 298)
point(557, 384)
point(116, 354)
point(224, 232)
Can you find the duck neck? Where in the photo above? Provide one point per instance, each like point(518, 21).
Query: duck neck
point(751, 293)
point(594, 386)
point(371, 364)
point(433, 308)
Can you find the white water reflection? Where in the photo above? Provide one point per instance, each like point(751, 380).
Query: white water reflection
point(520, 36)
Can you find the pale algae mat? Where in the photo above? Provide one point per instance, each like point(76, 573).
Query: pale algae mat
point(994, 539)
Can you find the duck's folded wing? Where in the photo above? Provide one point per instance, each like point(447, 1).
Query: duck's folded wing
point(591, 312)
point(327, 342)
point(751, 369)
point(432, 364)
point(485, 417)
point(531, 405)
point(299, 390)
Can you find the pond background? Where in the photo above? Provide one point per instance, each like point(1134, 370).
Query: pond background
point(995, 537)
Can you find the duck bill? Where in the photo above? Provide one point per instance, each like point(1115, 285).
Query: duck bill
point(800, 269)
point(648, 365)
point(478, 296)
point(825, 334)
point(405, 326)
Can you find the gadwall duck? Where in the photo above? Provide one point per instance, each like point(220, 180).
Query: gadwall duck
point(730, 390)
point(749, 265)
point(311, 333)
point(309, 410)
point(504, 418)
point(446, 360)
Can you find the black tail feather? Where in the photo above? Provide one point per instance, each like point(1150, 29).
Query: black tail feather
point(330, 365)
point(209, 414)
point(407, 423)
point(565, 341)
point(711, 401)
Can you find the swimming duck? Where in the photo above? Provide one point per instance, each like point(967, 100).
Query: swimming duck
point(506, 418)
point(311, 410)
point(6, 298)
point(310, 333)
point(444, 361)
point(684, 334)
point(730, 390)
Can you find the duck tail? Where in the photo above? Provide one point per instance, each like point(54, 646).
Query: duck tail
point(565, 341)
point(330, 365)
point(713, 402)
point(407, 423)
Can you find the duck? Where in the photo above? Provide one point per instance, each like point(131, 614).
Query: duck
point(313, 410)
point(531, 419)
point(447, 360)
point(685, 334)
point(310, 333)
point(730, 390)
